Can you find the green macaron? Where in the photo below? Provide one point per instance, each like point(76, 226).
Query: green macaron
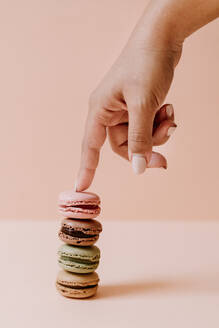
point(79, 259)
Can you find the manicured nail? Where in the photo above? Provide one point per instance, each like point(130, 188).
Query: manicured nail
point(171, 130)
point(138, 163)
point(75, 186)
point(148, 157)
point(129, 154)
point(169, 110)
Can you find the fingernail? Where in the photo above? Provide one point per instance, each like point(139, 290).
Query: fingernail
point(129, 154)
point(169, 110)
point(138, 163)
point(148, 157)
point(75, 186)
point(171, 130)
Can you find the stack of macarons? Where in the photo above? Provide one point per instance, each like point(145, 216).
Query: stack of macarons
point(78, 257)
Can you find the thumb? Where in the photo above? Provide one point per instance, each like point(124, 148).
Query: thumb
point(140, 130)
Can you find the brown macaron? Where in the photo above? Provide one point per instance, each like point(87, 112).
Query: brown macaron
point(80, 232)
point(75, 285)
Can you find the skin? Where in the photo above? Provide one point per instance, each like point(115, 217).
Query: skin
point(127, 104)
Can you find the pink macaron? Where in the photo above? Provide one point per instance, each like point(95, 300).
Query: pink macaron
point(79, 205)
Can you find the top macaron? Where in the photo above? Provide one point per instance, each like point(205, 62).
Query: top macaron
point(79, 205)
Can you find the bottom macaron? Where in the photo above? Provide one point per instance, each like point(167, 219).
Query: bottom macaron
point(75, 285)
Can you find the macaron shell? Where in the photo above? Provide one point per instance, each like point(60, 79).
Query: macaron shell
point(66, 282)
point(91, 253)
point(76, 293)
point(70, 240)
point(71, 279)
point(71, 197)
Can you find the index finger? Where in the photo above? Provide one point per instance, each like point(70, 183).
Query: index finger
point(94, 137)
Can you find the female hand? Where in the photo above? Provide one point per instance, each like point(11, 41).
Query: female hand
point(127, 103)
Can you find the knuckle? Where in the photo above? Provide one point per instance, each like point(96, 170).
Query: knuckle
point(102, 115)
point(137, 137)
point(87, 145)
point(139, 141)
point(101, 118)
point(146, 105)
point(145, 100)
point(105, 117)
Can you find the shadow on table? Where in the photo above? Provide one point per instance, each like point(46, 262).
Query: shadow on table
point(194, 284)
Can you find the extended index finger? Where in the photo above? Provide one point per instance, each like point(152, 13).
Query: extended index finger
point(94, 137)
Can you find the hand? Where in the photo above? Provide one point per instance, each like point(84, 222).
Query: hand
point(127, 104)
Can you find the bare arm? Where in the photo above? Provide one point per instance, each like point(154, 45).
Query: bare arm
point(128, 101)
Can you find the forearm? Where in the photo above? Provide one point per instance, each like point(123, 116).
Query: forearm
point(168, 22)
point(187, 16)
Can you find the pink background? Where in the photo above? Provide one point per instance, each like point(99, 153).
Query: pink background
point(53, 53)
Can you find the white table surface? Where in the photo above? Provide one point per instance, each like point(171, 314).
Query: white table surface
point(153, 274)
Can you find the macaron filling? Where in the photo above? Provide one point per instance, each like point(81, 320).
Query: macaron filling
point(92, 209)
point(87, 206)
point(80, 261)
point(76, 233)
point(76, 287)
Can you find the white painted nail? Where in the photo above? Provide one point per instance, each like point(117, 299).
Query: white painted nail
point(171, 131)
point(138, 163)
point(169, 110)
